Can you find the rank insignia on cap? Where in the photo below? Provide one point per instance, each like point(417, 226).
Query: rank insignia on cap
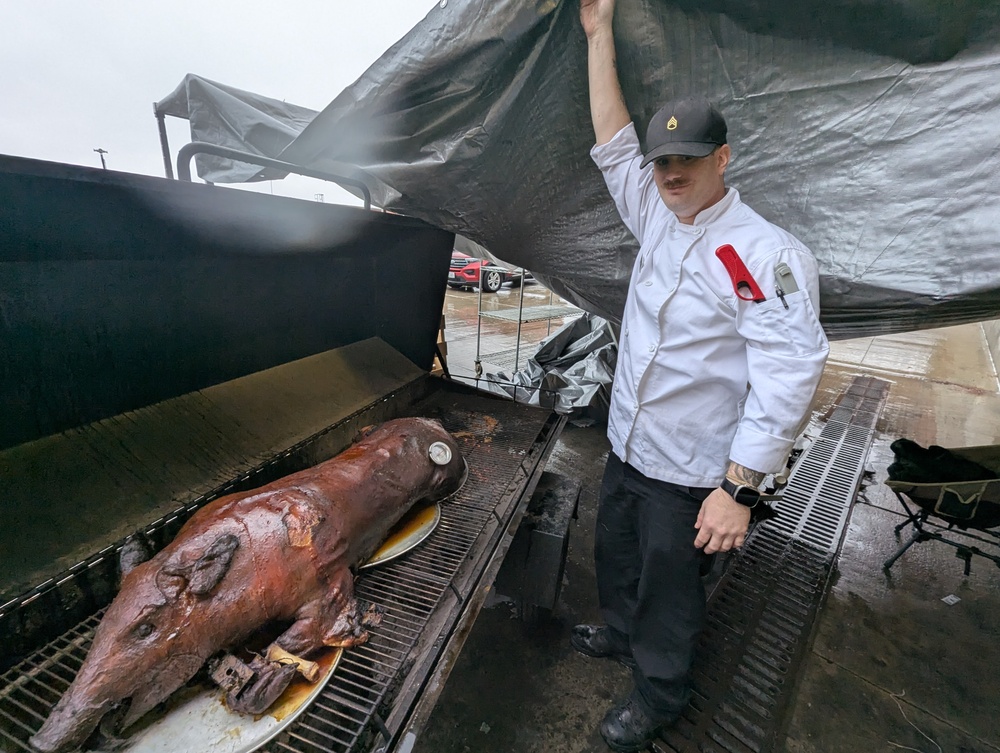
point(688, 127)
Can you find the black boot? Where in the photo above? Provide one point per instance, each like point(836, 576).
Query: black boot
point(632, 726)
point(602, 641)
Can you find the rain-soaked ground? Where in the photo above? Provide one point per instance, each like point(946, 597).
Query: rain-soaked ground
point(903, 661)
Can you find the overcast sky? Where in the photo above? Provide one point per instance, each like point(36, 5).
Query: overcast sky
point(78, 75)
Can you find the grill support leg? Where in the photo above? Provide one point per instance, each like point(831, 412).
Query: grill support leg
point(532, 571)
point(384, 731)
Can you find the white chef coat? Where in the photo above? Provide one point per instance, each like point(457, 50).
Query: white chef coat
point(702, 376)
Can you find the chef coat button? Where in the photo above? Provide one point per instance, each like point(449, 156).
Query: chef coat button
point(649, 282)
point(635, 406)
point(626, 333)
point(652, 348)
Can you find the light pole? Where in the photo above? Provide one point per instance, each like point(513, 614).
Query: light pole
point(102, 152)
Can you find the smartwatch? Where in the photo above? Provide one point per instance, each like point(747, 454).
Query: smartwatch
point(747, 496)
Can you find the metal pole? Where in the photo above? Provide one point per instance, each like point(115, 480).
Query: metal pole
point(164, 146)
point(520, 315)
point(479, 325)
point(548, 325)
point(187, 152)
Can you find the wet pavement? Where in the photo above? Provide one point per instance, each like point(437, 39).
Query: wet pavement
point(496, 328)
point(905, 660)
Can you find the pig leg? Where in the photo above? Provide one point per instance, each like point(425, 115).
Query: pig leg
point(269, 681)
point(335, 619)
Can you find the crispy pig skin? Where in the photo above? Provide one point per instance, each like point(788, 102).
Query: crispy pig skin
point(283, 553)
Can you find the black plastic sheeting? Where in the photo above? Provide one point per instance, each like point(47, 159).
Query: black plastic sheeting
point(570, 372)
point(868, 129)
point(119, 291)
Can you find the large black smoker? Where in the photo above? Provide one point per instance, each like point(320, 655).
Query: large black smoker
point(165, 343)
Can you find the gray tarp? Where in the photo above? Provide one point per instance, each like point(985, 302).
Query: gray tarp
point(868, 128)
point(227, 116)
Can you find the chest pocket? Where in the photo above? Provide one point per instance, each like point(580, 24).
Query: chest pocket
point(770, 327)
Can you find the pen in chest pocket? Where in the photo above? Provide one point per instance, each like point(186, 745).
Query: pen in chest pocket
point(784, 282)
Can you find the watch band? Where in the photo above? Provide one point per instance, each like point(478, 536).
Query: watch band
point(747, 496)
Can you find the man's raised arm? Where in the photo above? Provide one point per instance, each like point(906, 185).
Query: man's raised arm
point(607, 104)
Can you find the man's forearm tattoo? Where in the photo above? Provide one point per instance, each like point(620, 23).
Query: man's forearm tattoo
point(740, 474)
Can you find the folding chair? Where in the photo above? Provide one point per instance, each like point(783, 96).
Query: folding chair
point(947, 510)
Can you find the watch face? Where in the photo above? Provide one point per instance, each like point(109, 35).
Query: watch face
point(747, 496)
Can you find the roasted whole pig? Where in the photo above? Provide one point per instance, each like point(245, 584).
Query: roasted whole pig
point(282, 554)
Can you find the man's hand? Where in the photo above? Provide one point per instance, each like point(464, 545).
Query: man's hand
point(722, 523)
point(596, 15)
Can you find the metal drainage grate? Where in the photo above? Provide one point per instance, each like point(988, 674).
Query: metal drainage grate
point(761, 614)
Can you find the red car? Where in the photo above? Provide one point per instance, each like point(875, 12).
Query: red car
point(469, 272)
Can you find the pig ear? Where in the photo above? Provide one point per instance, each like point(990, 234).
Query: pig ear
point(135, 550)
point(202, 575)
point(213, 565)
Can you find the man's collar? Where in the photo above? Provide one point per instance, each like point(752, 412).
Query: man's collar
point(719, 208)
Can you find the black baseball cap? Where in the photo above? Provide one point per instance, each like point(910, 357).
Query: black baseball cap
point(691, 127)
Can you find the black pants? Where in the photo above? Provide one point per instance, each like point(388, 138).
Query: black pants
point(648, 578)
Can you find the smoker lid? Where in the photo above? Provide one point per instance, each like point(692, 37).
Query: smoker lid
point(120, 291)
point(196, 441)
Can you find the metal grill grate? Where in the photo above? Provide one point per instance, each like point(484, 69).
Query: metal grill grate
point(761, 614)
point(501, 442)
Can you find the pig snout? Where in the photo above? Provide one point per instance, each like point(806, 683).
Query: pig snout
point(68, 726)
point(77, 715)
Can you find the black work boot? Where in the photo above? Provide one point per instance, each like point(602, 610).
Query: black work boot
point(602, 641)
point(632, 726)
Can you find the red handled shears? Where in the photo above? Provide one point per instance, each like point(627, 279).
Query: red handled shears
point(744, 285)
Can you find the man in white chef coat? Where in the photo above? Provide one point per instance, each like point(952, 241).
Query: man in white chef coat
point(720, 354)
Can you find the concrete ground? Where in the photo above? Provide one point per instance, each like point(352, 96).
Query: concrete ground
point(892, 665)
